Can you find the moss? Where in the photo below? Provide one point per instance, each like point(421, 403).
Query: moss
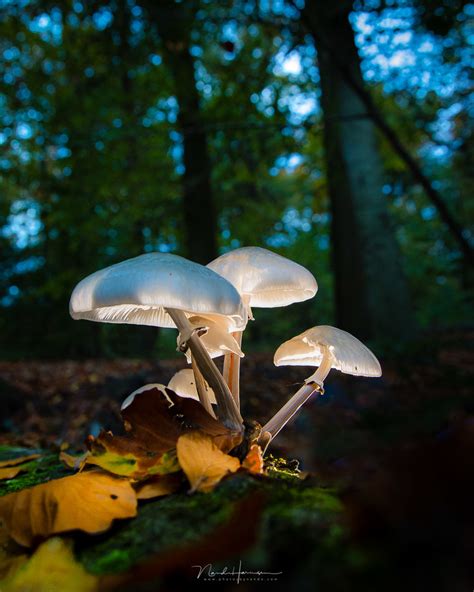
point(295, 510)
point(181, 519)
point(43, 469)
point(281, 468)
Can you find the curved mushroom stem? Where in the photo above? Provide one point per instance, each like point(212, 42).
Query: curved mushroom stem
point(231, 370)
point(226, 408)
point(290, 408)
point(201, 388)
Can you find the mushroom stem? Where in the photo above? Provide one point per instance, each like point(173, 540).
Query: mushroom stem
point(231, 370)
point(226, 408)
point(201, 388)
point(290, 408)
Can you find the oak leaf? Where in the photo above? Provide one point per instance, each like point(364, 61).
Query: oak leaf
point(87, 501)
point(203, 461)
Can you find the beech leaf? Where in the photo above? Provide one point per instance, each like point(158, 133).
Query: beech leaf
point(87, 501)
point(154, 419)
point(51, 567)
point(19, 460)
point(203, 461)
point(11, 472)
point(158, 486)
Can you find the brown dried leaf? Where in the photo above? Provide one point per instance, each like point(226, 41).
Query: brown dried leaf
point(88, 501)
point(154, 420)
point(203, 461)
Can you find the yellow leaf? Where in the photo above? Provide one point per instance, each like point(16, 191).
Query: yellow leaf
point(18, 460)
point(158, 486)
point(203, 462)
point(52, 568)
point(10, 472)
point(87, 501)
point(73, 462)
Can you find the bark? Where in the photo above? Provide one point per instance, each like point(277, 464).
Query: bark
point(174, 22)
point(371, 293)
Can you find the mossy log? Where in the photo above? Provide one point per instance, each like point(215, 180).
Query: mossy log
point(272, 523)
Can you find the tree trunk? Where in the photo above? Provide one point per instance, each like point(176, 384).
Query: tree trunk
point(372, 299)
point(174, 23)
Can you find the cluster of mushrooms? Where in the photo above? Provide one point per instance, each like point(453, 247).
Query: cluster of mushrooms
point(211, 306)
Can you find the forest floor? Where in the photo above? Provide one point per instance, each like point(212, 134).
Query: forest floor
point(387, 497)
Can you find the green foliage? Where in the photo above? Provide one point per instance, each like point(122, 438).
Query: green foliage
point(92, 164)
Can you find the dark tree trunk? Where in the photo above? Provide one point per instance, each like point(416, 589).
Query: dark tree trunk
point(372, 299)
point(174, 22)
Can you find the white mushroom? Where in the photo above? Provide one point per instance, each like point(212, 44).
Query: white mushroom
point(325, 347)
point(264, 280)
point(162, 290)
point(215, 337)
point(183, 383)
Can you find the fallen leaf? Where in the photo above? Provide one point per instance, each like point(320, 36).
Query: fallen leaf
point(87, 501)
point(253, 462)
point(203, 462)
point(73, 462)
point(10, 472)
point(158, 486)
point(154, 419)
point(18, 460)
point(51, 567)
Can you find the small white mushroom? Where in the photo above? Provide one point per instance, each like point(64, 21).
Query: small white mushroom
point(162, 290)
point(215, 337)
point(264, 280)
point(183, 383)
point(325, 347)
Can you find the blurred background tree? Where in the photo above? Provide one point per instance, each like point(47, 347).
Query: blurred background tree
point(335, 133)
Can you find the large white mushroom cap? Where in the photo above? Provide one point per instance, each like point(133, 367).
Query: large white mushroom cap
point(265, 279)
point(349, 355)
point(137, 291)
point(183, 383)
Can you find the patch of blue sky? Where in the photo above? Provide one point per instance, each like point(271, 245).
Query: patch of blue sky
point(48, 26)
point(23, 223)
point(103, 18)
point(289, 162)
point(292, 223)
point(24, 131)
point(402, 58)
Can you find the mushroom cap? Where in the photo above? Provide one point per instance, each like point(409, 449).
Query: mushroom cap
point(137, 291)
point(350, 356)
point(216, 338)
point(183, 384)
point(265, 279)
